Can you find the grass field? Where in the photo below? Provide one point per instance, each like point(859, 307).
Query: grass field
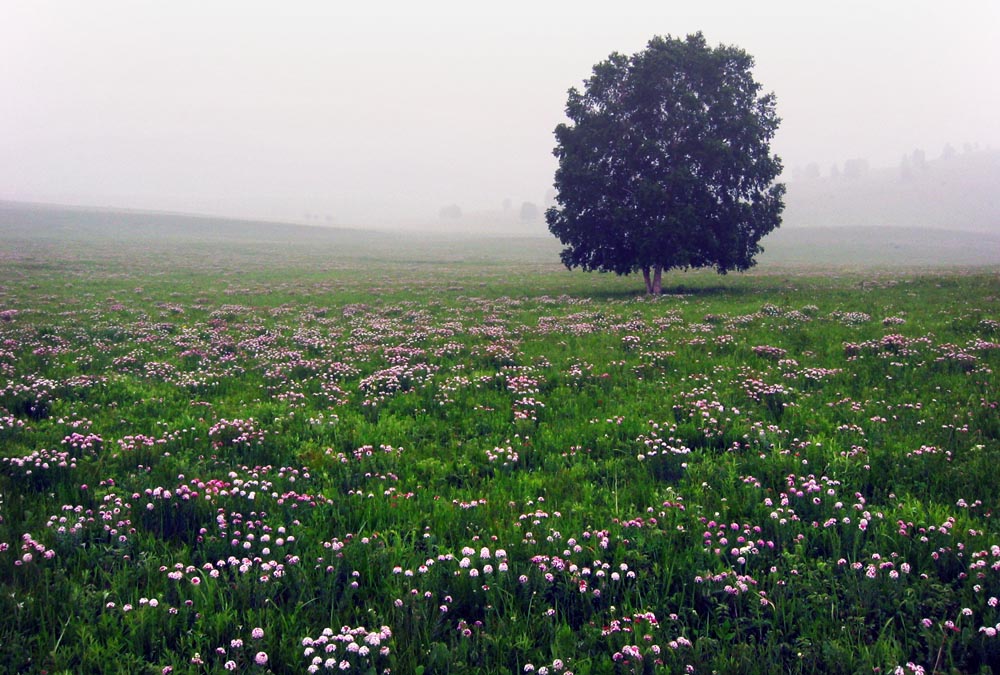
point(241, 454)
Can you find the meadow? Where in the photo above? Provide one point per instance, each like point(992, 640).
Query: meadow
point(237, 457)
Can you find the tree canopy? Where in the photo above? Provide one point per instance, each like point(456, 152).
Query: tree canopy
point(666, 163)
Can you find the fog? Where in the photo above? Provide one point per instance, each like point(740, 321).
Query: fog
point(383, 115)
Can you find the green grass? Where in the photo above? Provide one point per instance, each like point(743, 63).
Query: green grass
point(783, 471)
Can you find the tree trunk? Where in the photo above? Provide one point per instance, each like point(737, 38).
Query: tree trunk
point(657, 280)
point(649, 282)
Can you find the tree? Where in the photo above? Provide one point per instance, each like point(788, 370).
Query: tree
point(855, 168)
point(905, 170)
point(529, 212)
point(450, 212)
point(666, 163)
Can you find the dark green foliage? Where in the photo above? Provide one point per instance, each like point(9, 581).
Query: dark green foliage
point(666, 163)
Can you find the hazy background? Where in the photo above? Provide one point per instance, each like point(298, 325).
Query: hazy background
point(410, 113)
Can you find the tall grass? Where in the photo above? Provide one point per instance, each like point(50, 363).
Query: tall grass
point(484, 468)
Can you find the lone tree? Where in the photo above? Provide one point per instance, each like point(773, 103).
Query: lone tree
point(667, 163)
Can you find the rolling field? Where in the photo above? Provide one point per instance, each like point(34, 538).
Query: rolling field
point(261, 456)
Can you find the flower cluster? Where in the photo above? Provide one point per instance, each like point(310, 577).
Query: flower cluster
point(349, 649)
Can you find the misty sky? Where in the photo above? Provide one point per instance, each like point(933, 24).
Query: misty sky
point(388, 111)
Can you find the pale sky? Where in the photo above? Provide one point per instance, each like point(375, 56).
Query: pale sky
point(385, 112)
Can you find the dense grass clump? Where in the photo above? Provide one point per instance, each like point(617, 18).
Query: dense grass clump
point(455, 469)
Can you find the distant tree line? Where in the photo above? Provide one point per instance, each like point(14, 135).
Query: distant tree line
point(911, 164)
